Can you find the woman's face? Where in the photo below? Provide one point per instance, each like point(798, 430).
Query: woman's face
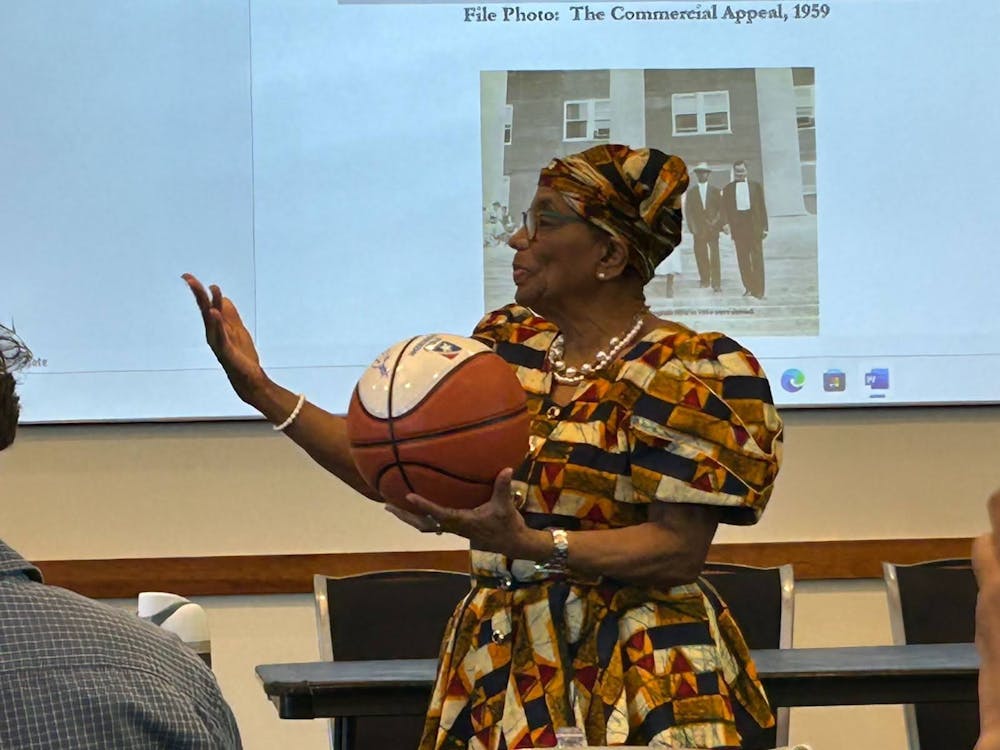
point(558, 265)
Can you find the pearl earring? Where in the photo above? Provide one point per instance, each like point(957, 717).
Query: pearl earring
point(600, 275)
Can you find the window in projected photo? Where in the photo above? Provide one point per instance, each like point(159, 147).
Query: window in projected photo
point(587, 120)
point(700, 113)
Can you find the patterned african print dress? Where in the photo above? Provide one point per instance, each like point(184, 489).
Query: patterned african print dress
point(681, 417)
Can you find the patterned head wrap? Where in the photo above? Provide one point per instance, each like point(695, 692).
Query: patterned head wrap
point(632, 194)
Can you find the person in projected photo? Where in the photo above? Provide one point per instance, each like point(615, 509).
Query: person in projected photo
point(702, 210)
point(77, 674)
point(745, 214)
point(586, 607)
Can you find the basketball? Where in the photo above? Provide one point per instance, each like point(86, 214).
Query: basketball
point(439, 415)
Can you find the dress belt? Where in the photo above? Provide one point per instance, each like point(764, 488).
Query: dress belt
point(508, 582)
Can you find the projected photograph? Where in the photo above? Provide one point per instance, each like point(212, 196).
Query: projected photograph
point(748, 260)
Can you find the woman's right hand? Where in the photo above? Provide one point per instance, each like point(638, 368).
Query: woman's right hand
point(229, 340)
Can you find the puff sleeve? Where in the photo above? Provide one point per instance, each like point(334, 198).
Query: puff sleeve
point(703, 427)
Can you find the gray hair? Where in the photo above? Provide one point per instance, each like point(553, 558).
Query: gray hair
point(14, 356)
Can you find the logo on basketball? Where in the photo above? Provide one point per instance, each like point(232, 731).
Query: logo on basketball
point(443, 347)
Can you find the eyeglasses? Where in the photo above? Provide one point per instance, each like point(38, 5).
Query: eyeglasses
point(532, 219)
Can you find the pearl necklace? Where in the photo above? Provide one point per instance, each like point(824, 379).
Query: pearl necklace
point(571, 375)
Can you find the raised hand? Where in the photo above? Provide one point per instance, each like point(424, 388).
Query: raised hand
point(229, 339)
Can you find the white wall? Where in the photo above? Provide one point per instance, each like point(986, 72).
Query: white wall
point(237, 488)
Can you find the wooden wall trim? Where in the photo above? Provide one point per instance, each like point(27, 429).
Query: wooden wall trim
point(292, 574)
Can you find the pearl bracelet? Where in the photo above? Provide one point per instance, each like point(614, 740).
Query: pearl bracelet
point(291, 417)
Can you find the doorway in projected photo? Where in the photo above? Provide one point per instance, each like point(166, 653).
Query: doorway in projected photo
point(748, 260)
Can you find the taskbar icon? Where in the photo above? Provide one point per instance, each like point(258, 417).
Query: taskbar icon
point(834, 381)
point(793, 380)
point(876, 380)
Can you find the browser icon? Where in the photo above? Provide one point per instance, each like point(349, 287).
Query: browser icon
point(793, 380)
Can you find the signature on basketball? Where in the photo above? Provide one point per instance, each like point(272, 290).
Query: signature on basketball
point(380, 365)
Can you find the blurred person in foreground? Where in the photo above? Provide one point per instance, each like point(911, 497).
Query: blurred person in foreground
point(986, 562)
point(76, 674)
point(585, 609)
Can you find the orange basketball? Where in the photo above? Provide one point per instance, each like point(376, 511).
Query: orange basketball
point(439, 415)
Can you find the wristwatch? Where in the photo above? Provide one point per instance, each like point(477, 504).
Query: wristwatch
point(558, 564)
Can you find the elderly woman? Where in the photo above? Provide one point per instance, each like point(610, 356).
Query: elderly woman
point(585, 609)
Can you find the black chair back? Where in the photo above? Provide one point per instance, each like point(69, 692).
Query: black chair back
point(391, 614)
point(762, 602)
point(935, 602)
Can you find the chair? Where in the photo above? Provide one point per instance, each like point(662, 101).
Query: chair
point(762, 601)
point(390, 614)
point(935, 602)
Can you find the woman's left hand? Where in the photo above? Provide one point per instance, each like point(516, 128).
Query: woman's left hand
point(495, 526)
